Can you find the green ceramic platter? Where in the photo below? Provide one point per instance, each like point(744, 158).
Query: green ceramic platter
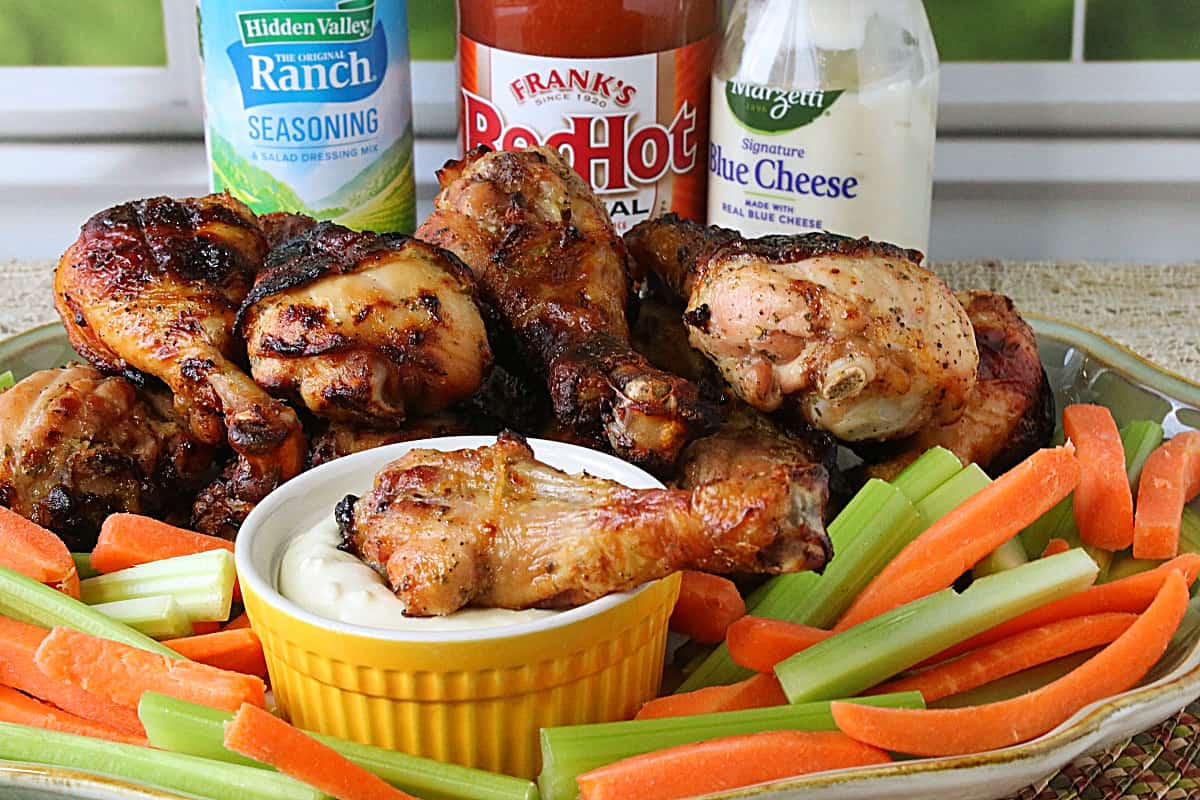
point(1083, 367)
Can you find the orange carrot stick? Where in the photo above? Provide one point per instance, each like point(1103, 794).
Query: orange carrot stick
point(973, 729)
point(960, 539)
point(759, 691)
point(204, 627)
point(127, 540)
point(19, 642)
point(237, 650)
point(1130, 595)
point(35, 552)
point(240, 621)
point(260, 735)
point(707, 606)
point(122, 673)
point(21, 709)
point(1170, 479)
point(720, 764)
point(1055, 546)
point(1103, 501)
point(759, 643)
point(1009, 656)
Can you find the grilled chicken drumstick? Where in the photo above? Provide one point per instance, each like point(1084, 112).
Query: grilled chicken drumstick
point(859, 338)
point(494, 527)
point(153, 286)
point(1009, 413)
point(76, 446)
point(365, 327)
point(547, 257)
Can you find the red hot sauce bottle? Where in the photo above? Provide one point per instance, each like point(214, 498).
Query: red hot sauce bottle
point(621, 87)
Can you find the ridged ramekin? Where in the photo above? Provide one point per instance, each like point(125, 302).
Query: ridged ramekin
point(473, 697)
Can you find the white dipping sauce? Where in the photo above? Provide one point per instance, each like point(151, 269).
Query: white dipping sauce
point(331, 583)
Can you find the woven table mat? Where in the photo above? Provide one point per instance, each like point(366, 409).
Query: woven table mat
point(1153, 310)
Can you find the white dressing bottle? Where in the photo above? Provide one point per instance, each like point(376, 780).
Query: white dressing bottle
point(824, 117)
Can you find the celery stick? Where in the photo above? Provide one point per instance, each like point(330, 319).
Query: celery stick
point(1009, 555)
point(83, 565)
point(1189, 531)
point(202, 584)
point(159, 617)
point(170, 771)
point(969, 481)
point(569, 751)
point(197, 730)
point(935, 466)
point(27, 600)
point(6, 380)
point(875, 525)
point(1125, 565)
point(1044, 528)
point(873, 651)
point(1139, 438)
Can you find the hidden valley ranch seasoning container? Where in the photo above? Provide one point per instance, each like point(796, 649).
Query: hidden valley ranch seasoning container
point(619, 86)
point(308, 108)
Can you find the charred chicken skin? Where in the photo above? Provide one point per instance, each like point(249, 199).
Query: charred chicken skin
point(1009, 413)
point(78, 446)
point(494, 527)
point(854, 334)
point(365, 327)
point(153, 287)
point(549, 260)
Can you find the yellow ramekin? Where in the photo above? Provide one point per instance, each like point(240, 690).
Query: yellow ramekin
point(474, 697)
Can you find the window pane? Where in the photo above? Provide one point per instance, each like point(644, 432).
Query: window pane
point(87, 33)
point(431, 30)
point(1003, 30)
point(1142, 30)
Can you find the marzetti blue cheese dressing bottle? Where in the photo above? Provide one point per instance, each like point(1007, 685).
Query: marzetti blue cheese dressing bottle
point(823, 118)
point(308, 108)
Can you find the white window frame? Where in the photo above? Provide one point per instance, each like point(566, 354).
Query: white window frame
point(49, 102)
point(1109, 97)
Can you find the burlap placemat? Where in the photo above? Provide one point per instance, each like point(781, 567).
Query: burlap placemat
point(1153, 310)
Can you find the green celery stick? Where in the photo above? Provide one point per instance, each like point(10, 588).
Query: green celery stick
point(873, 651)
point(1009, 555)
point(27, 600)
point(875, 525)
point(934, 467)
point(1189, 531)
point(202, 584)
point(1140, 438)
point(966, 483)
point(199, 731)
point(1125, 565)
point(1044, 528)
point(159, 617)
point(570, 751)
point(83, 565)
point(6, 380)
point(171, 771)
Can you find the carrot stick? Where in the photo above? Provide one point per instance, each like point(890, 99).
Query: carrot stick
point(1055, 546)
point(973, 729)
point(260, 735)
point(707, 606)
point(759, 691)
point(127, 540)
point(237, 650)
point(1103, 501)
point(957, 541)
point(204, 627)
point(720, 764)
point(1131, 595)
point(19, 642)
point(1012, 655)
point(759, 643)
point(31, 550)
point(240, 621)
point(21, 709)
point(1170, 478)
point(122, 673)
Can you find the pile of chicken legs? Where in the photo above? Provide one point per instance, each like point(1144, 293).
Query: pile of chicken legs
point(229, 352)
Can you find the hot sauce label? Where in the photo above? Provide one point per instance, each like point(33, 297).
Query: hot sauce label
point(635, 127)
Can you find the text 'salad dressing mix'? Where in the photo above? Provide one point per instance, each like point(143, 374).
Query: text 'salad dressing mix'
point(823, 118)
point(622, 91)
point(308, 108)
